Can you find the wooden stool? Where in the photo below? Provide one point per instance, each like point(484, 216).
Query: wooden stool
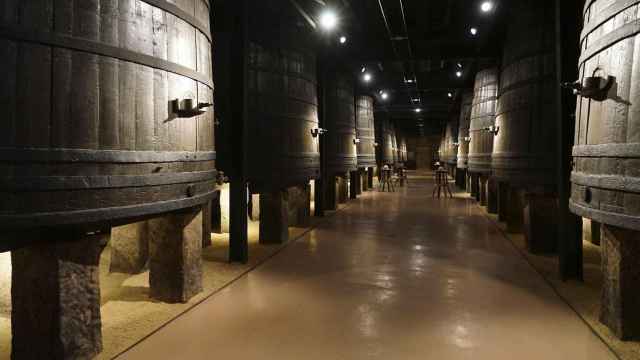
point(386, 180)
point(442, 184)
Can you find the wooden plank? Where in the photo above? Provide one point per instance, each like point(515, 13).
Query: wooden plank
point(33, 96)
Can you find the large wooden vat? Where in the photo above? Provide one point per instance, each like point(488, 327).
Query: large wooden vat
point(386, 138)
point(523, 152)
point(483, 111)
point(463, 130)
point(283, 100)
point(87, 133)
point(449, 154)
point(365, 131)
point(402, 146)
point(340, 105)
point(605, 178)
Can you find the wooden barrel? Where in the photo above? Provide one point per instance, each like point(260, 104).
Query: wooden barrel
point(605, 178)
point(283, 100)
point(483, 111)
point(340, 140)
point(449, 150)
point(88, 135)
point(402, 146)
point(463, 130)
point(365, 131)
point(524, 153)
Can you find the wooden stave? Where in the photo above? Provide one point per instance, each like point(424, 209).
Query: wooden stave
point(463, 130)
point(341, 114)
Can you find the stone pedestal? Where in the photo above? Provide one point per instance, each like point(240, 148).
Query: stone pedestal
point(474, 182)
point(175, 265)
point(540, 223)
point(503, 201)
point(331, 193)
point(220, 211)
point(492, 196)
point(358, 181)
point(206, 225)
point(370, 177)
point(515, 210)
point(620, 310)
point(353, 185)
point(461, 176)
point(55, 295)
point(299, 203)
point(274, 217)
point(343, 189)
point(254, 208)
point(595, 232)
point(484, 180)
point(129, 248)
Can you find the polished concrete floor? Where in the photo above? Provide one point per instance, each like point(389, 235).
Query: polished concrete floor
point(395, 276)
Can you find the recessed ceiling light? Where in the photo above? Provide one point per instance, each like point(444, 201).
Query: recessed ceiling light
point(328, 20)
point(486, 6)
point(450, 95)
point(367, 77)
point(384, 96)
point(418, 110)
point(473, 31)
point(459, 73)
point(343, 39)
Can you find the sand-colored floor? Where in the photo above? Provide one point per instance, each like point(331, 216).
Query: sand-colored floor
point(583, 297)
point(128, 314)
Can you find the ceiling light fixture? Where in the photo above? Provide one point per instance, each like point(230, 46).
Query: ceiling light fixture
point(367, 77)
point(418, 110)
point(450, 95)
point(459, 73)
point(328, 20)
point(486, 6)
point(473, 31)
point(343, 39)
point(384, 95)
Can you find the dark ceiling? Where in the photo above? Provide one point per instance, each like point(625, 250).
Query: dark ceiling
point(418, 40)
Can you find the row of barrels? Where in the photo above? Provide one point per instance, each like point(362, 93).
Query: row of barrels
point(507, 143)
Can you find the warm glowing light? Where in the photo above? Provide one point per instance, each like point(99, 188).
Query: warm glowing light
point(418, 110)
point(486, 6)
point(367, 77)
point(384, 96)
point(450, 95)
point(459, 73)
point(343, 39)
point(328, 20)
point(473, 31)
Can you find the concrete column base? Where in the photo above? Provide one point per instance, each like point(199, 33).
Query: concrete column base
point(274, 217)
point(129, 248)
point(55, 295)
point(492, 196)
point(515, 211)
point(503, 201)
point(540, 223)
point(621, 282)
point(175, 266)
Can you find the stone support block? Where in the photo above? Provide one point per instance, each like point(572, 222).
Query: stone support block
point(175, 265)
point(621, 281)
point(540, 223)
point(492, 196)
point(274, 217)
point(55, 295)
point(129, 248)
